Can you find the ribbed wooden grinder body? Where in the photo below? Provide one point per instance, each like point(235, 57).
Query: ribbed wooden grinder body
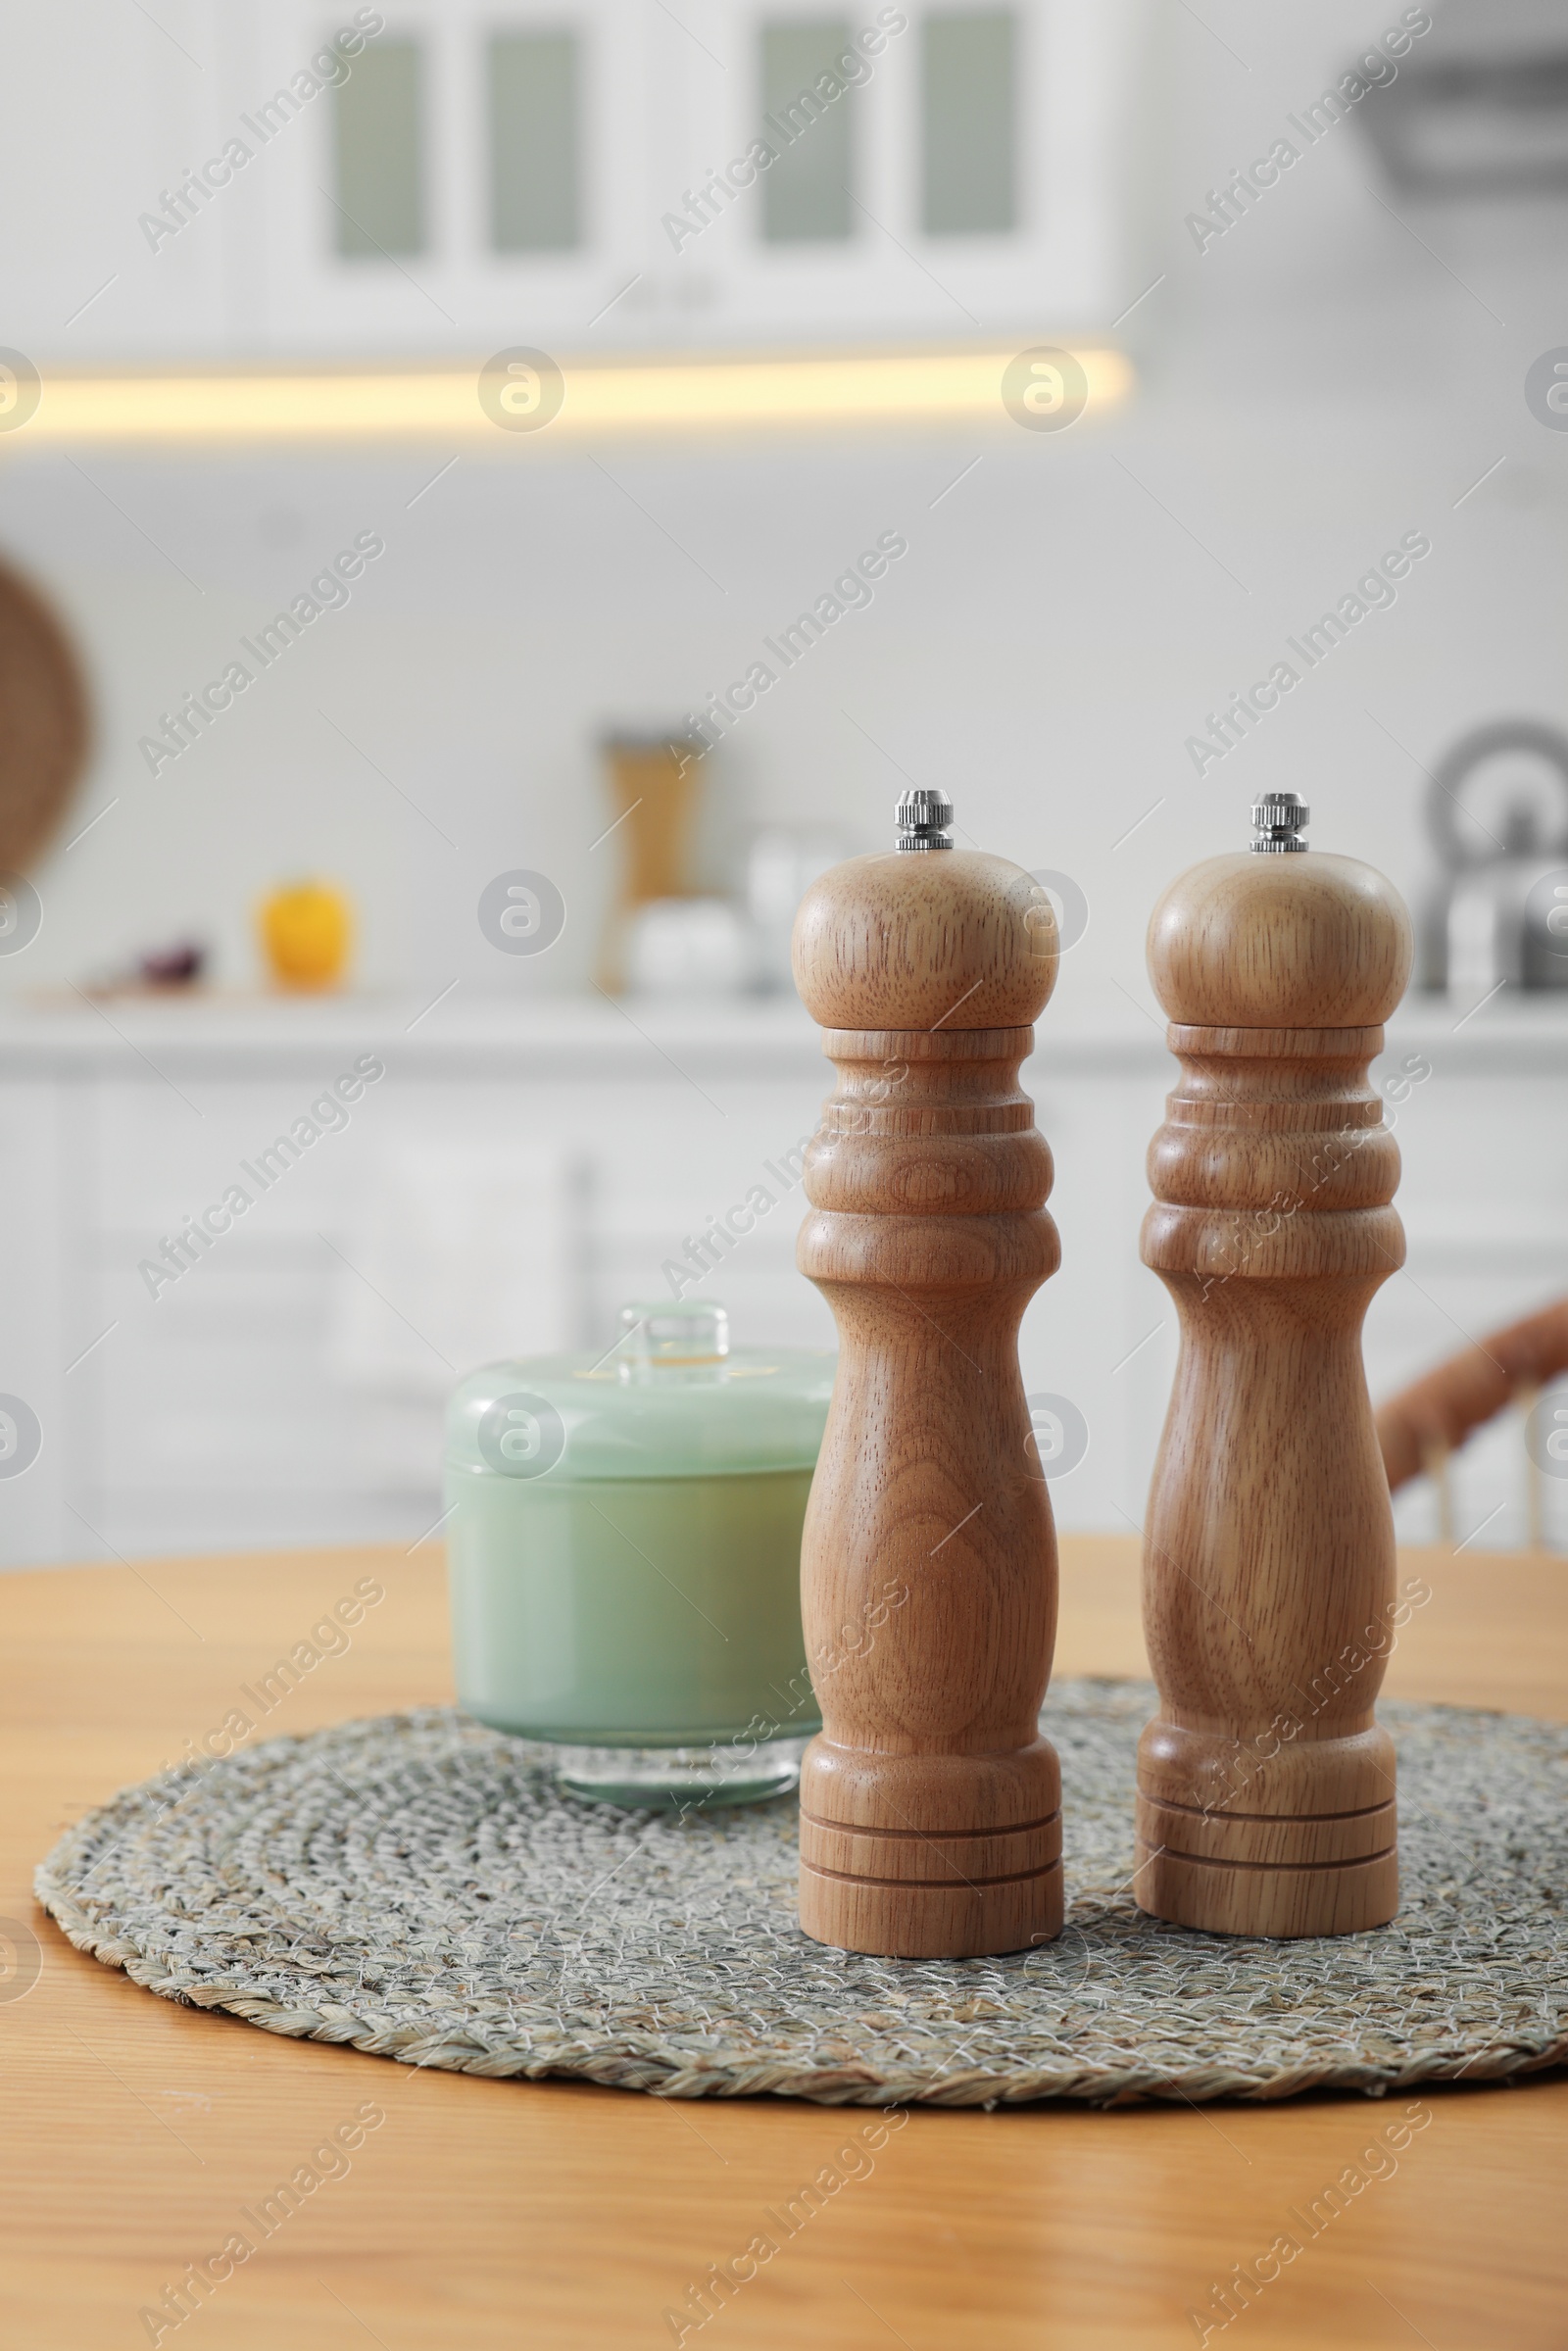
point(930, 1805)
point(1265, 1787)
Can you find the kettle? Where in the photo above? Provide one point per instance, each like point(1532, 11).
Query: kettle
point(1500, 916)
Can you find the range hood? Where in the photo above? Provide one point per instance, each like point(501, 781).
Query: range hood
point(1479, 106)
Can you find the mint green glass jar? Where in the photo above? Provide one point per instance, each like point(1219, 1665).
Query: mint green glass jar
point(624, 1547)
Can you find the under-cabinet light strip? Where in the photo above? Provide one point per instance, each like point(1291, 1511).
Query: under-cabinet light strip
point(597, 397)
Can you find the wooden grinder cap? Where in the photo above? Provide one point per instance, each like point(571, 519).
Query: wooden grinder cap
point(1280, 940)
point(953, 940)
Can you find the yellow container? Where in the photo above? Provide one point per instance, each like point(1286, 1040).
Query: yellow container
point(307, 929)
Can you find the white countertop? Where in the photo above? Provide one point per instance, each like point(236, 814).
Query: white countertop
point(1089, 1027)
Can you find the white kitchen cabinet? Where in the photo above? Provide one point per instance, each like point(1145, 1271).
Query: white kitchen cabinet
point(47, 1315)
point(321, 287)
point(224, 1412)
point(479, 177)
point(1054, 252)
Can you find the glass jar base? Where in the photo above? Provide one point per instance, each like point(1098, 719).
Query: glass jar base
point(681, 1778)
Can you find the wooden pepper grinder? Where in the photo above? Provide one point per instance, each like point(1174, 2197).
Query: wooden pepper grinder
point(1265, 1789)
point(930, 1805)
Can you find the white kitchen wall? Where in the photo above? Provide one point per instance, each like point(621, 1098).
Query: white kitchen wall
point(1045, 649)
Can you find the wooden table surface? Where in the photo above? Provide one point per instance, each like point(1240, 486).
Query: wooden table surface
point(490, 2213)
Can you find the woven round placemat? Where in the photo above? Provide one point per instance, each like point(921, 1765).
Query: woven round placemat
point(418, 1888)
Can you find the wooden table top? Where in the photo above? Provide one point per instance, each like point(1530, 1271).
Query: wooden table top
point(498, 2214)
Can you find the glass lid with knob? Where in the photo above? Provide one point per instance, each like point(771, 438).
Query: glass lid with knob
point(671, 1398)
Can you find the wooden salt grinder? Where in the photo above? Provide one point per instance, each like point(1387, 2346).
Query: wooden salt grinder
point(930, 1805)
point(1265, 1789)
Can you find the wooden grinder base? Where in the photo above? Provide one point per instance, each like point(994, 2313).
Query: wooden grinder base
point(1306, 1866)
point(1261, 1897)
point(945, 1889)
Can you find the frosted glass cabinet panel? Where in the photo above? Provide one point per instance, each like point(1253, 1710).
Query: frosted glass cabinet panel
point(379, 142)
point(536, 161)
point(807, 193)
point(969, 121)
